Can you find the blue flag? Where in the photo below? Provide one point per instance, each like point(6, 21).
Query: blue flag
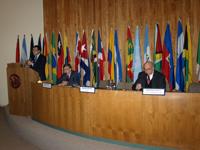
point(137, 61)
point(118, 63)
point(168, 63)
point(180, 61)
point(24, 56)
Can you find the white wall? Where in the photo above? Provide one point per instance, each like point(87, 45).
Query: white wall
point(16, 17)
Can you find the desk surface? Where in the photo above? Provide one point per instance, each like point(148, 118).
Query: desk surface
point(171, 120)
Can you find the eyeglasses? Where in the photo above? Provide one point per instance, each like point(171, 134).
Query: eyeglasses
point(147, 69)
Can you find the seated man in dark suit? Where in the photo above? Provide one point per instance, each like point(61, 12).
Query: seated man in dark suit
point(68, 77)
point(149, 78)
point(38, 62)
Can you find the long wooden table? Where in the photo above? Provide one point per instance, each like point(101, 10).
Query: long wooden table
point(171, 120)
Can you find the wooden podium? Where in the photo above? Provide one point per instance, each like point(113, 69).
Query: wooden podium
point(19, 88)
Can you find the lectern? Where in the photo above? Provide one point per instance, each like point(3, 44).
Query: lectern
point(19, 88)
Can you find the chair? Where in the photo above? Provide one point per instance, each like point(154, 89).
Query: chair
point(194, 88)
point(128, 86)
point(103, 84)
point(124, 86)
point(121, 86)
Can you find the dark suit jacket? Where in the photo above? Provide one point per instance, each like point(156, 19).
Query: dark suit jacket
point(158, 80)
point(39, 66)
point(74, 79)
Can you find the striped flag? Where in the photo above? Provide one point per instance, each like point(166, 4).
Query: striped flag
point(129, 59)
point(118, 62)
point(137, 61)
point(180, 61)
point(167, 60)
point(157, 49)
point(147, 54)
point(198, 60)
point(17, 53)
point(77, 54)
point(46, 54)
point(24, 56)
point(101, 58)
point(54, 58)
point(111, 56)
point(93, 58)
point(85, 64)
point(188, 58)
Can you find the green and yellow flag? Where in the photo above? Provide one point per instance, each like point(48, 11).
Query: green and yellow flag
point(129, 59)
point(93, 59)
point(157, 49)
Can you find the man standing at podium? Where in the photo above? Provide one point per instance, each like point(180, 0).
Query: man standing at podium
point(38, 62)
point(149, 78)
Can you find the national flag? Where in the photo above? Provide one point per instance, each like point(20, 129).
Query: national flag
point(129, 59)
point(118, 62)
point(46, 54)
point(31, 57)
point(101, 58)
point(17, 53)
point(77, 54)
point(147, 54)
point(60, 56)
point(111, 57)
point(180, 85)
point(167, 60)
point(67, 57)
point(198, 60)
point(157, 49)
point(39, 43)
point(93, 58)
point(137, 61)
point(84, 63)
point(24, 56)
point(188, 58)
point(54, 58)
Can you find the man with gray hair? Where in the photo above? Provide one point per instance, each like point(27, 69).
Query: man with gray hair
point(149, 78)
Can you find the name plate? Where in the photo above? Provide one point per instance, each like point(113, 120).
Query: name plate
point(150, 91)
point(46, 85)
point(87, 89)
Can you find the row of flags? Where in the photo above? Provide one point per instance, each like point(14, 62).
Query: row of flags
point(89, 63)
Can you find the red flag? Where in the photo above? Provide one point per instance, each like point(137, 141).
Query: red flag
point(101, 58)
point(60, 57)
point(167, 59)
point(77, 53)
point(17, 51)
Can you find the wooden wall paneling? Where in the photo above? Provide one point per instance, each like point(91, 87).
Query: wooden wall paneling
point(79, 15)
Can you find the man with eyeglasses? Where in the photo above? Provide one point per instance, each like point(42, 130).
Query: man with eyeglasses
point(149, 78)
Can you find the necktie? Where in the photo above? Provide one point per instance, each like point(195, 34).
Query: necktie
point(35, 59)
point(148, 80)
point(67, 77)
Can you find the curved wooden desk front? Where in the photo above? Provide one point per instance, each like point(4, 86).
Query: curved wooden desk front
point(171, 120)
